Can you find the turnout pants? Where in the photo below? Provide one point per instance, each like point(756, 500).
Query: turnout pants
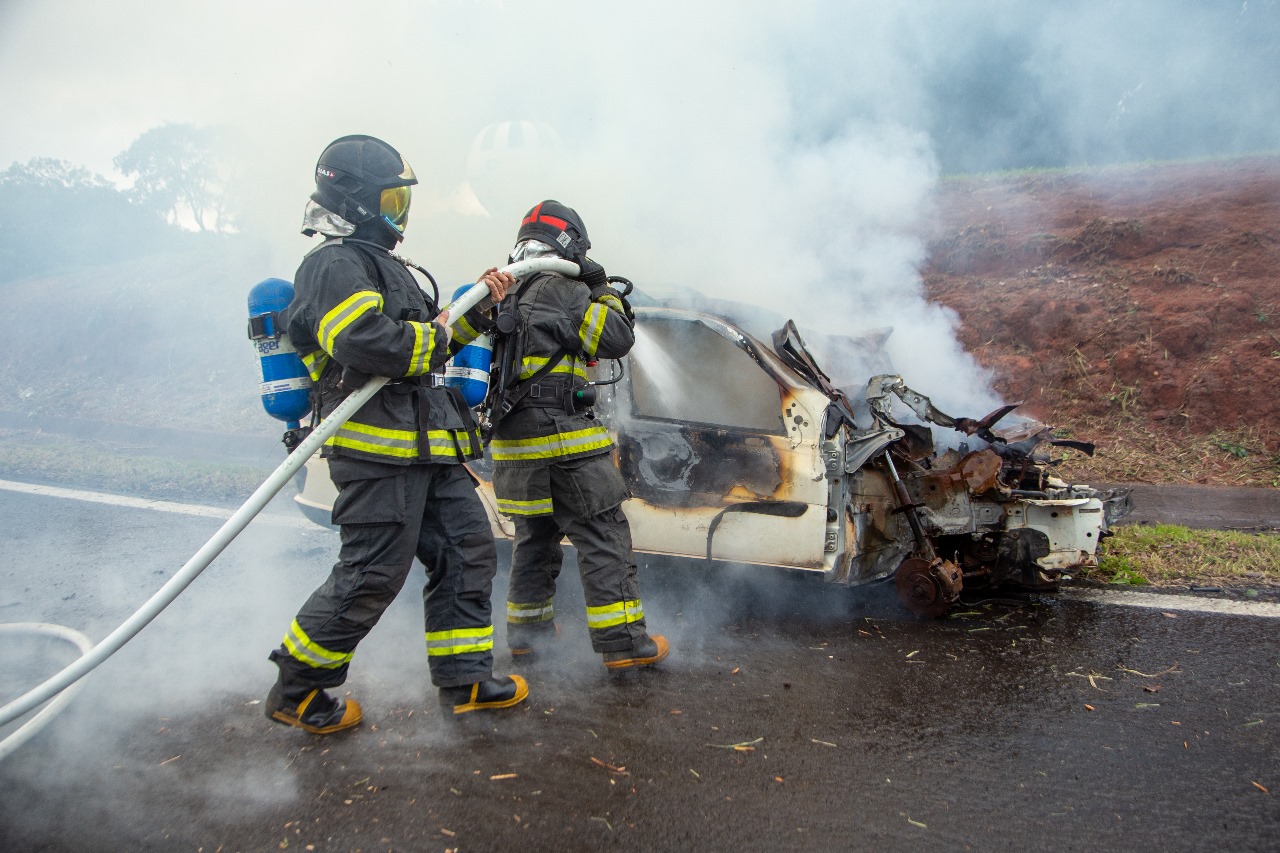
point(615, 616)
point(428, 511)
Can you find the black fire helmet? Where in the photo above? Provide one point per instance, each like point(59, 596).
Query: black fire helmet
point(559, 227)
point(361, 178)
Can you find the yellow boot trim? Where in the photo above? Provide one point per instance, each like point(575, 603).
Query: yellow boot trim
point(351, 716)
point(522, 693)
point(663, 648)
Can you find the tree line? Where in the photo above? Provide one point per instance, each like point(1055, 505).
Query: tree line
point(57, 215)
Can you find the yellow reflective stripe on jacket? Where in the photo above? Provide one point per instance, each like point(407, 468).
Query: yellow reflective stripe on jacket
point(541, 506)
point(551, 446)
point(400, 443)
point(315, 363)
point(302, 648)
point(618, 613)
point(458, 641)
point(424, 345)
point(397, 443)
point(344, 314)
point(441, 442)
point(533, 363)
point(464, 332)
point(614, 303)
point(591, 327)
point(524, 614)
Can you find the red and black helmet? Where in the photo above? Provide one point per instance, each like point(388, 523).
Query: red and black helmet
point(558, 226)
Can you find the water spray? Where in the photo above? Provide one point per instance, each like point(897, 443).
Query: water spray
point(240, 519)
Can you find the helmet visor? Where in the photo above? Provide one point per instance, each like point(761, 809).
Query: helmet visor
point(527, 249)
point(394, 206)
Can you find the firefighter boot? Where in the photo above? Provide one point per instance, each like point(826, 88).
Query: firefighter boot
point(488, 695)
point(528, 640)
point(316, 712)
point(647, 652)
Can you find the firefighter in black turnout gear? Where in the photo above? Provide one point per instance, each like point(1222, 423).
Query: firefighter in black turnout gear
point(554, 472)
point(402, 488)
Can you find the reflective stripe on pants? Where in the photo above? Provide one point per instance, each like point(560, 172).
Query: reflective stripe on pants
point(531, 613)
point(614, 614)
point(428, 511)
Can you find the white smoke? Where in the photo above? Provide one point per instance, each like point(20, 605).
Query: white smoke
point(781, 155)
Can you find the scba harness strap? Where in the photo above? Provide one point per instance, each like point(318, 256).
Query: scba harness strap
point(508, 356)
point(531, 393)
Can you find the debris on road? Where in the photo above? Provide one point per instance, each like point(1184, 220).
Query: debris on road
point(1171, 669)
point(745, 746)
point(609, 767)
point(1093, 678)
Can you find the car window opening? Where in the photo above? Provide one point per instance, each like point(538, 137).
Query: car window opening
point(683, 370)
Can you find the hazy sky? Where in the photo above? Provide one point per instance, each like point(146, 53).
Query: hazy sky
point(781, 152)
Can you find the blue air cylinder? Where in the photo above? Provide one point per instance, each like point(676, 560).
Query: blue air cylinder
point(468, 370)
point(285, 385)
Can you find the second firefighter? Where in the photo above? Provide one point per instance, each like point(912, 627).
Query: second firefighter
point(554, 472)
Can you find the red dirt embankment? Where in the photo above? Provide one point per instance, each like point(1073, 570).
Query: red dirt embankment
point(1142, 302)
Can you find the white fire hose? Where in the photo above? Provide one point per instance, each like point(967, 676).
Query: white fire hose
point(48, 712)
point(237, 523)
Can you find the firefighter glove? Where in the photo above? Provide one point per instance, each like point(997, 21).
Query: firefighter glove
point(352, 379)
point(592, 275)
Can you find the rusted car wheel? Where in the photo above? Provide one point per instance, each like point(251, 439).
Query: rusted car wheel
point(928, 588)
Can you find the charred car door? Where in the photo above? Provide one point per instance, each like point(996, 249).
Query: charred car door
point(719, 444)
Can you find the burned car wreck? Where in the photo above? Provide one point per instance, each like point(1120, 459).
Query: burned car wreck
point(744, 452)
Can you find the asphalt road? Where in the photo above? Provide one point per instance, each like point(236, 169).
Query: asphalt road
point(789, 715)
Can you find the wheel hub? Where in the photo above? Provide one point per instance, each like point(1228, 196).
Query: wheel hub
point(928, 588)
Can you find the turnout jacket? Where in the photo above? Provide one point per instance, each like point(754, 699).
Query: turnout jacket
point(355, 306)
point(558, 322)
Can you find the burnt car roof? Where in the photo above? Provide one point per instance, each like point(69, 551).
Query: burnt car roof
point(848, 358)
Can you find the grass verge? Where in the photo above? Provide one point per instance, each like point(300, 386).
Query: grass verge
point(1133, 452)
point(1171, 555)
point(57, 460)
